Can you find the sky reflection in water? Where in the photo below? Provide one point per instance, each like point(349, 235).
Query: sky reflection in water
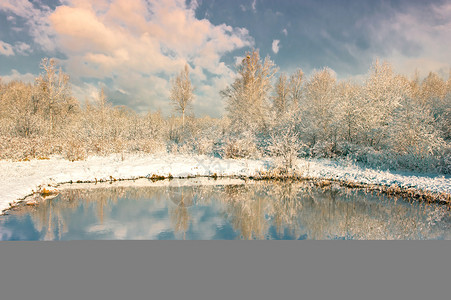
point(261, 210)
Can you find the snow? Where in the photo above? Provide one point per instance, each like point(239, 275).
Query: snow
point(19, 179)
point(345, 171)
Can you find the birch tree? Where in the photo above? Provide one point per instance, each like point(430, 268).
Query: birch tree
point(247, 98)
point(182, 92)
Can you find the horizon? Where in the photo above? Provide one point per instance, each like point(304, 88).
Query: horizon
point(133, 48)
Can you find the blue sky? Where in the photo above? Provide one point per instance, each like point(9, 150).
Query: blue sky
point(133, 47)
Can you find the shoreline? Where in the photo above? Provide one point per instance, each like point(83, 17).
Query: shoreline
point(20, 180)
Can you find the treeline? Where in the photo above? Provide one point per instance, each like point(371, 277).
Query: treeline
point(43, 119)
point(388, 121)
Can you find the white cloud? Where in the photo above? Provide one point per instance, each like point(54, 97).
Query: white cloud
point(22, 48)
point(254, 5)
point(238, 59)
point(285, 32)
point(275, 46)
point(18, 48)
point(6, 49)
point(35, 15)
point(16, 75)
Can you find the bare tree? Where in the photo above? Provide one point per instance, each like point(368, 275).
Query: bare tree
point(182, 92)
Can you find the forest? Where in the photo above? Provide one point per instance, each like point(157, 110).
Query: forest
point(388, 121)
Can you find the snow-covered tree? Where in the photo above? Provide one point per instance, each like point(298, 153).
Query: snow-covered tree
point(103, 108)
point(445, 117)
point(318, 106)
point(435, 96)
point(382, 92)
point(413, 136)
point(247, 98)
point(281, 97)
point(432, 91)
point(413, 130)
point(285, 146)
point(17, 112)
point(295, 89)
point(182, 92)
point(348, 110)
point(54, 92)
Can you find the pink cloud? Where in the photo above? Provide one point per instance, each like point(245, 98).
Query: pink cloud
point(127, 39)
point(142, 31)
point(79, 29)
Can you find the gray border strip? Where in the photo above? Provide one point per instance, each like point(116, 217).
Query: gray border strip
point(225, 270)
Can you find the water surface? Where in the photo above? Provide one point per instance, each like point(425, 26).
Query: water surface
point(259, 210)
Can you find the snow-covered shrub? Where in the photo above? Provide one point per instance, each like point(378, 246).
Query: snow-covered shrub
point(324, 149)
point(98, 146)
point(75, 150)
point(31, 148)
point(369, 157)
point(148, 146)
point(119, 145)
point(346, 149)
point(414, 162)
point(200, 135)
point(240, 147)
point(285, 146)
point(185, 148)
point(203, 146)
point(444, 166)
point(172, 147)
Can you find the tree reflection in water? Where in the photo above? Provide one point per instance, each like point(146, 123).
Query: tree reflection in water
point(182, 198)
point(261, 210)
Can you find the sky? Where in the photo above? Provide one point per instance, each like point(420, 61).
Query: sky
point(132, 48)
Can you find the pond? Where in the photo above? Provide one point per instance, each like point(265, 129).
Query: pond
point(208, 209)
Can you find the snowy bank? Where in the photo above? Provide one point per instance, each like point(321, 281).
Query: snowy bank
point(19, 179)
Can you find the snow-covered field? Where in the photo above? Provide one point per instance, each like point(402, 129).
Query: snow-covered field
point(19, 179)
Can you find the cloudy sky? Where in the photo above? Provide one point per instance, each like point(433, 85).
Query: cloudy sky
point(133, 47)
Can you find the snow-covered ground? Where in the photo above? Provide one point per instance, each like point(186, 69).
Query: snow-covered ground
point(19, 179)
